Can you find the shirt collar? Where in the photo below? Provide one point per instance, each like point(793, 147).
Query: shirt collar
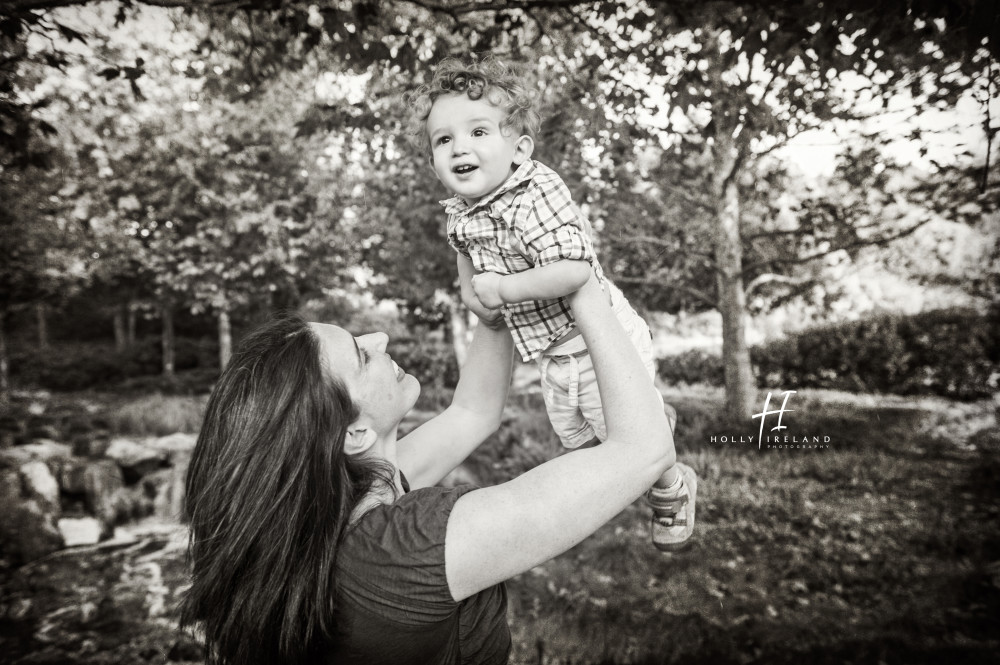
point(457, 204)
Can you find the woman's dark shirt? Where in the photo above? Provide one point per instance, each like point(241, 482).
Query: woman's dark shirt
point(394, 604)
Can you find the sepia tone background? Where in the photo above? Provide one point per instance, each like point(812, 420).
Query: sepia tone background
point(799, 196)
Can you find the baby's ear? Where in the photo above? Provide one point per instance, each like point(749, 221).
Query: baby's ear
point(523, 149)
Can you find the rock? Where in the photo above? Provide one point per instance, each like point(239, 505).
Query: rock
point(91, 444)
point(80, 531)
point(101, 481)
point(78, 424)
point(41, 429)
point(175, 444)
point(135, 459)
point(72, 476)
point(38, 483)
point(45, 450)
point(166, 488)
point(12, 430)
point(186, 649)
point(27, 531)
point(130, 503)
point(10, 487)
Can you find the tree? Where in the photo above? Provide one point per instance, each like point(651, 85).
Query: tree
point(39, 258)
point(741, 79)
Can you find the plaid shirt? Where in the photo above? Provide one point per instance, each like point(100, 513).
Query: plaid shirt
point(528, 221)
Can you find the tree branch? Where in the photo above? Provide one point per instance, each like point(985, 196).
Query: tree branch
point(774, 234)
point(701, 296)
point(497, 5)
point(660, 242)
point(773, 277)
point(750, 268)
point(674, 189)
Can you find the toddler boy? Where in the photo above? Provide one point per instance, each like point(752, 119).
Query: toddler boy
point(522, 247)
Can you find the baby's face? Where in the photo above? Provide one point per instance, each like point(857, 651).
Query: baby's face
point(471, 155)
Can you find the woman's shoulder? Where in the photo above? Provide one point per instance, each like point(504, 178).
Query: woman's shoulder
point(396, 550)
point(413, 525)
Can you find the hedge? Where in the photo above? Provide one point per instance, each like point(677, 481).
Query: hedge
point(78, 366)
point(949, 352)
point(432, 362)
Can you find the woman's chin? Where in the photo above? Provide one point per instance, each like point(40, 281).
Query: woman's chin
point(412, 384)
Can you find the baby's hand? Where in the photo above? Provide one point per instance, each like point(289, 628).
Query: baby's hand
point(487, 288)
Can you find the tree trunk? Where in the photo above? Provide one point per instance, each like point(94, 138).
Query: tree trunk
point(119, 325)
point(130, 324)
point(461, 330)
point(732, 298)
point(167, 338)
point(4, 362)
point(225, 338)
point(41, 318)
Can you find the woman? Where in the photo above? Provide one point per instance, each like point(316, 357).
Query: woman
point(317, 536)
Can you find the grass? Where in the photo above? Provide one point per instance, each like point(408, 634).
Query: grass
point(157, 415)
point(883, 548)
point(878, 549)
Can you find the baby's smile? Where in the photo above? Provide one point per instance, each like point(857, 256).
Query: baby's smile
point(464, 168)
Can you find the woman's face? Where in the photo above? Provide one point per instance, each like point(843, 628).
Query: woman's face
point(382, 391)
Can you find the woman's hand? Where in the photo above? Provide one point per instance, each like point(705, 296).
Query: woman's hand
point(487, 288)
point(490, 317)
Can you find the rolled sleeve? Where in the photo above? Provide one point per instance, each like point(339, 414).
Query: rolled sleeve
point(458, 245)
point(551, 226)
point(564, 243)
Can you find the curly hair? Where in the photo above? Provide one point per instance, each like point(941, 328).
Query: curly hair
point(488, 77)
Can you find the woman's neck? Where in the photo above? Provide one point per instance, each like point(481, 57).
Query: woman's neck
point(380, 493)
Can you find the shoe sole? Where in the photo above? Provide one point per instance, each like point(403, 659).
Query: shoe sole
point(691, 479)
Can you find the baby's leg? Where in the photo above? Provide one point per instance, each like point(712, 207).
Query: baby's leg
point(560, 381)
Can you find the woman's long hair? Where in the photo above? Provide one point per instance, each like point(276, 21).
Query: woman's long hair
point(269, 494)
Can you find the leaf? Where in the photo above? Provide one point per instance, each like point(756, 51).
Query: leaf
point(70, 34)
point(46, 128)
point(136, 92)
point(122, 13)
point(55, 60)
point(132, 73)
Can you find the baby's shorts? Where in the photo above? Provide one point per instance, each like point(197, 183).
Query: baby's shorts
point(569, 383)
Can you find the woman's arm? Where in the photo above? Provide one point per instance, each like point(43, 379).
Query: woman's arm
point(428, 453)
point(497, 532)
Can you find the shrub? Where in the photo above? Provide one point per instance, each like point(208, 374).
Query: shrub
point(691, 367)
point(951, 352)
point(70, 366)
point(431, 361)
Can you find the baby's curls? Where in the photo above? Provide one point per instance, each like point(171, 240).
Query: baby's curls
point(477, 77)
